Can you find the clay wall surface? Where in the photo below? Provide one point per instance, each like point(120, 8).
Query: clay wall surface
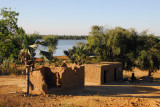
point(49, 77)
point(79, 76)
point(71, 77)
point(109, 75)
point(113, 72)
point(37, 83)
point(92, 74)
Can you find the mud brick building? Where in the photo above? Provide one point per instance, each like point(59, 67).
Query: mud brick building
point(103, 72)
point(56, 77)
point(70, 76)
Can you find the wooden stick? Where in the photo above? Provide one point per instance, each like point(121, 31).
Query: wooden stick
point(27, 78)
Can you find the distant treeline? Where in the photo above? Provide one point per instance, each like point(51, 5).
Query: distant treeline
point(73, 37)
point(69, 37)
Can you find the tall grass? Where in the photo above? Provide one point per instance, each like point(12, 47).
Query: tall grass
point(11, 69)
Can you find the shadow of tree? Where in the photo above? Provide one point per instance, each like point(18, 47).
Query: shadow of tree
point(115, 89)
point(156, 79)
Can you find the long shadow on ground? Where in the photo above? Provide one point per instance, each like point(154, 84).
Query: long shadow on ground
point(119, 89)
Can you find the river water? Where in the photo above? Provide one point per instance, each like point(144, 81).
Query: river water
point(61, 46)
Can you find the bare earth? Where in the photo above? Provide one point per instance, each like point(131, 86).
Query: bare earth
point(114, 94)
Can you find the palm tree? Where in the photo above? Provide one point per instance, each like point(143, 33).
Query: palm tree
point(77, 54)
point(30, 44)
point(49, 41)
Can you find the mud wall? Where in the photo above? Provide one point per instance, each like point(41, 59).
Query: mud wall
point(41, 80)
point(111, 72)
point(37, 83)
point(103, 72)
point(51, 77)
point(72, 78)
point(92, 74)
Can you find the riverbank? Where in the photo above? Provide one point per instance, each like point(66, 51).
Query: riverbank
point(58, 57)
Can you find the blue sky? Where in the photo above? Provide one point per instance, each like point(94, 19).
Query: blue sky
point(76, 17)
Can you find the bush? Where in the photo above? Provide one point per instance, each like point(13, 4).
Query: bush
point(11, 69)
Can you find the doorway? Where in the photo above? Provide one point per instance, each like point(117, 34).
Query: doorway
point(105, 76)
point(115, 74)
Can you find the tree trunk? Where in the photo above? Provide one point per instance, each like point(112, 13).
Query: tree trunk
point(149, 73)
point(27, 78)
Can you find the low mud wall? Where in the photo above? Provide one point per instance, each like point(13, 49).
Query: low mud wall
point(52, 77)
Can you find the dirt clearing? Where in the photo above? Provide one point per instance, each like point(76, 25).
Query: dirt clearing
point(113, 94)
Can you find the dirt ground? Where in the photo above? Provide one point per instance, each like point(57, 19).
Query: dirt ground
point(113, 94)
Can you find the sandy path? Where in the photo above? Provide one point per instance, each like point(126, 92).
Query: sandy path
point(120, 89)
point(18, 81)
point(143, 94)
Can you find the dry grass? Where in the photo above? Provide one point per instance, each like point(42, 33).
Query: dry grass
point(9, 103)
point(139, 73)
point(12, 69)
point(116, 94)
point(20, 68)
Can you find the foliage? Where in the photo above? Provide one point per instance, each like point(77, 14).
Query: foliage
point(51, 42)
point(68, 37)
point(31, 42)
point(14, 42)
point(149, 56)
point(78, 54)
point(116, 44)
point(9, 39)
point(10, 20)
point(9, 66)
point(58, 62)
point(97, 42)
point(126, 46)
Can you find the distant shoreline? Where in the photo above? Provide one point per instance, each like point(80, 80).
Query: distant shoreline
point(58, 57)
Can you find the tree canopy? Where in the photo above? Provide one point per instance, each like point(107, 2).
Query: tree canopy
point(14, 41)
point(78, 54)
point(125, 45)
point(9, 31)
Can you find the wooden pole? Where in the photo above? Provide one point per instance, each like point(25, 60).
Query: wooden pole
point(27, 78)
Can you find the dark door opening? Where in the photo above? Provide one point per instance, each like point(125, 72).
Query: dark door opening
point(115, 74)
point(105, 76)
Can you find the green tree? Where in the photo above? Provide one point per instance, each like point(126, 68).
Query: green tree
point(78, 54)
point(9, 41)
point(127, 46)
point(51, 42)
point(116, 44)
point(13, 39)
point(122, 44)
point(97, 41)
point(149, 55)
point(30, 44)
point(10, 20)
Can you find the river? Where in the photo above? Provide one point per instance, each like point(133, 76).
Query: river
point(61, 46)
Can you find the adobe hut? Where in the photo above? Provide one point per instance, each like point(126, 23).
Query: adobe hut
point(104, 72)
point(56, 77)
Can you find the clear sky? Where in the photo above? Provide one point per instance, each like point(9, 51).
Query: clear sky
point(76, 17)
